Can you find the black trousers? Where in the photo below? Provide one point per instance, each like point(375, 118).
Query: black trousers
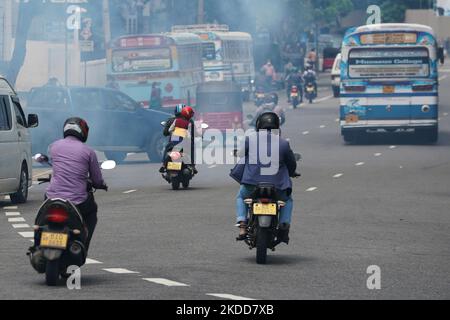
point(88, 210)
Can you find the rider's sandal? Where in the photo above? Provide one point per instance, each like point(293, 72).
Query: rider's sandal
point(242, 237)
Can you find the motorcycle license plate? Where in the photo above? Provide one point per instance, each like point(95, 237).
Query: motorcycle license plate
point(310, 90)
point(294, 95)
point(54, 240)
point(351, 118)
point(263, 209)
point(174, 166)
point(260, 96)
point(388, 89)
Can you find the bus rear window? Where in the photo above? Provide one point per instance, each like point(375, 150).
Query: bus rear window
point(142, 60)
point(389, 63)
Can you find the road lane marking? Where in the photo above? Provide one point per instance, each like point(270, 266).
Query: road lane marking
point(129, 191)
point(212, 167)
point(378, 154)
point(92, 261)
point(12, 214)
point(311, 189)
point(27, 234)
point(324, 99)
point(445, 114)
point(16, 220)
point(360, 164)
point(120, 271)
point(323, 126)
point(21, 226)
point(337, 176)
point(227, 296)
point(42, 174)
point(393, 147)
point(10, 208)
point(305, 133)
point(166, 282)
point(443, 78)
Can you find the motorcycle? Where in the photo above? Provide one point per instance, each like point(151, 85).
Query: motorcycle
point(295, 96)
point(177, 172)
point(60, 234)
point(264, 230)
point(310, 92)
point(259, 97)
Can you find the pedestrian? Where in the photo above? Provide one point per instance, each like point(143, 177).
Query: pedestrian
point(269, 73)
point(155, 97)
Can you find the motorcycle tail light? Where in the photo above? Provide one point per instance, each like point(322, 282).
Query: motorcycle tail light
point(57, 215)
point(175, 156)
point(264, 200)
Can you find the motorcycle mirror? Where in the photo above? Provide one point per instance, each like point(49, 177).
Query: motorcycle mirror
point(205, 126)
point(36, 157)
point(108, 165)
point(298, 157)
point(163, 123)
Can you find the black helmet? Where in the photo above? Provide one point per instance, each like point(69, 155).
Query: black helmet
point(77, 128)
point(268, 121)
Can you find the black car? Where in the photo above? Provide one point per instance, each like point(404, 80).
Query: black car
point(118, 124)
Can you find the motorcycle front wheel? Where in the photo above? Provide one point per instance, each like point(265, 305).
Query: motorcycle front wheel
point(52, 273)
point(262, 240)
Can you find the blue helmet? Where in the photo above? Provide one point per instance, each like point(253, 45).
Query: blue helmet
point(179, 108)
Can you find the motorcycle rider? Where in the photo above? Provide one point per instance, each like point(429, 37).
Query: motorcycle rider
point(183, 118)
point(310, 76)
point(295, 79)
point(249, 175)
point(270, 105)
point(73, 164)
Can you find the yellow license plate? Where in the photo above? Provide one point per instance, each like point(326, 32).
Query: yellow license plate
point(388, 89)
point(263, 209)
point(174, 166)
point(295, 95)
point(179, 132)
point(54, 240)
point(351, 118)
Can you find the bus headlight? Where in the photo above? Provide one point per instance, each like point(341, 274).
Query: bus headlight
point(426, 108)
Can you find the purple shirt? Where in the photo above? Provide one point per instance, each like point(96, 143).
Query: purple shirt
point(73, 163)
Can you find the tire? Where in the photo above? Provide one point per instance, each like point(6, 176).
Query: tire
point(52, 273)
point(176, 185)
point(349, 137)
point(155, 151)
point(21, 195)
point(336, 92)
point(186, 184)
point(118, 157)
point(262, 240)
point(433, 135)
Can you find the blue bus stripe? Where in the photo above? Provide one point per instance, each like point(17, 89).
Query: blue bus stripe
point(382, 95)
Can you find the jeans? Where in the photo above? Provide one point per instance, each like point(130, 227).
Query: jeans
point(246, 191)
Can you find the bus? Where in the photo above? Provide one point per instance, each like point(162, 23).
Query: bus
point(227, 55)
point(389, 81)
point(157, 70)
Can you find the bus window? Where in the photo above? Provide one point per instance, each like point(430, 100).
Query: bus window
point(142, 60)
point(209, 51)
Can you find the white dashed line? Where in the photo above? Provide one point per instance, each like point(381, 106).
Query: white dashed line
point(212, 167)
point(393, 147)
point(92, 261)
point(27, 234)
point(16, 220)
point(322, 126)
point(311, 189)
point(129, 191)
point(227, 296)
point(305, 133)
point(360, 164)
point(165, 282)
point(337, 176)
point(442, 78)
point(120, 271)
point(324, 99)
point(12, 214)
point(445, 114)
point(10, 208)
point(20, 226)
point(378, 154)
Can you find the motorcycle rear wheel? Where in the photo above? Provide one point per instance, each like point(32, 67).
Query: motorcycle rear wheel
point(262, 241)
point(52, 273)
point(175, 185)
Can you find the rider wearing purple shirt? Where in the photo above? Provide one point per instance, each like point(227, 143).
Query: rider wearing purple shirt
point(73, 164)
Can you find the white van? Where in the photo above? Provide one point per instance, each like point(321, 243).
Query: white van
point(15, 145)
point(336, 76)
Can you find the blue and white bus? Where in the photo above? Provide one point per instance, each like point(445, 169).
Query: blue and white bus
point(389, 80)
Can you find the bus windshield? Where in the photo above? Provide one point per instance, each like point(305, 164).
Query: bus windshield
point(366, 63)
point(141, 60)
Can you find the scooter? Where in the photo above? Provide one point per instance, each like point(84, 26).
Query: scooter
point(259, 97)
point(295, 96)
point(60, 234)
point(310, 92)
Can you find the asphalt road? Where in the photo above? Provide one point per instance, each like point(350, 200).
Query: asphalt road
point(384, 202)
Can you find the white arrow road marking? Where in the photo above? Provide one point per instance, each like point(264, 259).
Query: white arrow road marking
point(337, 176)
point(311, 189)
point(120, 271)
point(166, 282)
point(92, 261)
point(20, 226)
point(227, 296)
point(16, 220)
point(12, 214)
point(129, 191)
point(27, 234)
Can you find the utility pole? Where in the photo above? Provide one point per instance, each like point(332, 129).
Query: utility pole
point(107, 29)
point(201, 11)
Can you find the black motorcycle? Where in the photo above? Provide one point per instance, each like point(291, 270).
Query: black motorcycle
point(60, 236)
point(310, 91)
point(263, 229)
point(260, 96)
